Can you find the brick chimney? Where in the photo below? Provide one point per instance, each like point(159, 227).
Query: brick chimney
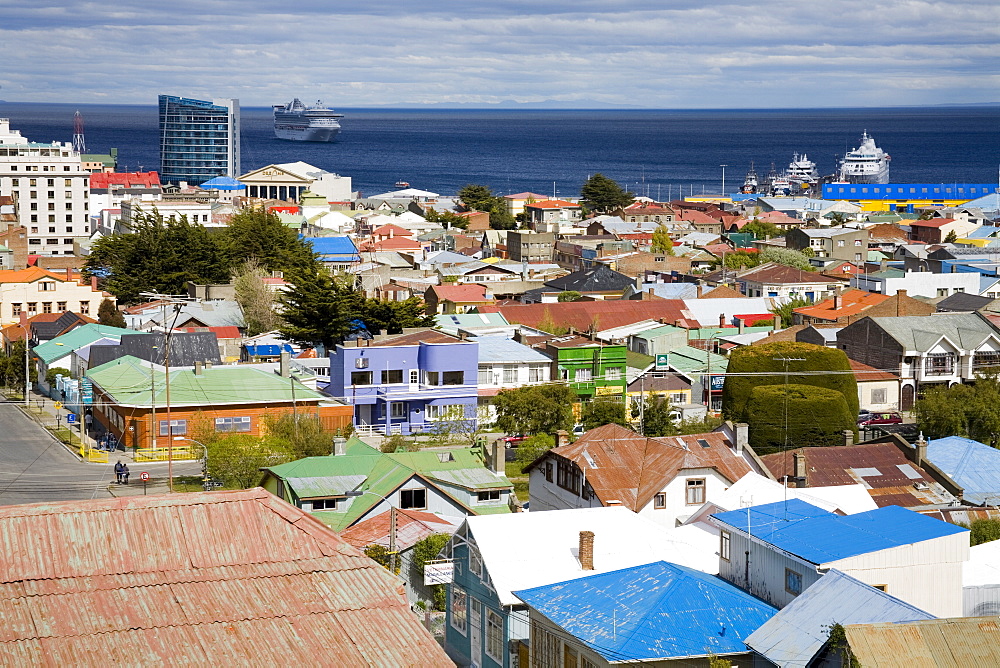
point(799, 468)
point(93, 282)
point(776, 323)
point(69, 273)
point(837, 301)
point(722, 320)
point(700, 289)
point(562, 438)
point(920, 451)
point(587, 550)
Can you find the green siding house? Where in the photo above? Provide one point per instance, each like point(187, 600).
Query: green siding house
point(592, 368)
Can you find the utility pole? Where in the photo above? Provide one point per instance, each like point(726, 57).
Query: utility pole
point(723, 179)
point(392, 539)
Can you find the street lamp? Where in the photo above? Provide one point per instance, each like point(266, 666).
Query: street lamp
point(392, 524)
point(723, 179)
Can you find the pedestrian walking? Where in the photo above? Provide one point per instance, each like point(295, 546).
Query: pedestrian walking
point(119, 467)
point(125, 474)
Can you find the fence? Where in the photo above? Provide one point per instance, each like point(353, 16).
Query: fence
point(175, 452)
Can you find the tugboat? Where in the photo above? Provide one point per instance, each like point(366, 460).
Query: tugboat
point(750, 183)
point(777, 184)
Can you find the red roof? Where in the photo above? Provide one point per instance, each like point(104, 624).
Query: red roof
point(225, 332)
point(552, 204)
point(102, 180)
point(412, 526)
point(393, 244)
point(863, 373)
point(391, 230)
point(935, 222)
point(194, 577)
point(469, 292)
point(852, 302)
point(604, 314)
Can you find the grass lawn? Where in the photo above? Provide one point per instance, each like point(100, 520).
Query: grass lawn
point(520, 480)
point(191, 483)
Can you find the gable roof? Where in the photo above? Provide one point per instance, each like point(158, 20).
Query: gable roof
point(779, 273)
point(957, 641)
point(821, 537)
point(64, 345)
point(601, 278)
point(973, 465)
point(186, 348)
point(412, 526)
point(285, 588)
point(603, 314)
point(622, 465)
point(468, 292)
point(852, 302)
point(793, 637)
point(656, 611)
point(502, 349)
point(920, 333)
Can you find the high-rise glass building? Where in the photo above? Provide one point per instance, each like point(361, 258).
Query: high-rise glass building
point(199, 140)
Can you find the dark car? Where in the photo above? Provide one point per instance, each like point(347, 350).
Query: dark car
point(885, 417)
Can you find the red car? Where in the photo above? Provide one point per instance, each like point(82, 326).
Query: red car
point(880, 418)
point(514, 440)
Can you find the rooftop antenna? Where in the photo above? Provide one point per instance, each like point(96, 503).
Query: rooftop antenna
point(79, 144)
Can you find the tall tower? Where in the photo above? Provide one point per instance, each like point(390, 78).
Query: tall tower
point(199, 140)
point(79, 143)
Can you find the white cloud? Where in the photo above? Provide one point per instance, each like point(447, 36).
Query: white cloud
point(657, 54)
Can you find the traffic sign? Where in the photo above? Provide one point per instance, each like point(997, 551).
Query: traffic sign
point(70, 418)
point(57, 405)
point(144, 476)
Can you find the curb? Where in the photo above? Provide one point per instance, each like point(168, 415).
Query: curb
point(37, 420)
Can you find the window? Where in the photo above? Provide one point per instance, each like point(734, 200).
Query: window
point(397, 409)
point(67, 241)
point(584, 375)
point(568, 476)
point(494, 636)
point(545, 647)
point(46, 307)
point(878, 395)
point(985, 358)
point(47, 286)
point(613, 373)
point(695, 491)
point(415, 499)
point(84, 308)
point(548, 471)
point(660, 500)
point(392, 376)
point(35, 242)
point(431, 378)
point(453, 378)
point(509, 374)
point(414, 376)
point(32, 308)
point(536, 374)
point(324, 504)
point(793, 582)
point(177, 428)
point(241, 424)
point(446, 412)
point(15, 310)
point(485, 375)
point(840, 243)
point(475, 563)
point(725, 545)
point(52, 230)
point(939, 364)
point(459, 611)
point(486, 497)
point(857, 242)
point(361, 378)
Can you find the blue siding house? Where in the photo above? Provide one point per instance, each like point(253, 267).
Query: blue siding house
point(409, 383)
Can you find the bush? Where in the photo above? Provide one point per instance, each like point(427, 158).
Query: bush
point(983, 531)
point(237, 459)
point(767, 359)
point(533, 448)
point(395, 443)
point(50, 375)
point(604, 410)
point(814, 416)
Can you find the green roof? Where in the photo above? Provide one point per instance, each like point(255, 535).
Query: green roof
point(689, 360)
point(128, 379)
point(638, 360)
point(61, 346)
point(363, 468)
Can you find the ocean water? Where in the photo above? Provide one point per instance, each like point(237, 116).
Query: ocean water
point(657, 153)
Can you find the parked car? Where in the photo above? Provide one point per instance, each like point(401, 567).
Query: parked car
point(514, 440)
point(880, 418)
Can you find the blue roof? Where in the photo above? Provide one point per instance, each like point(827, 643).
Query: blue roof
point(268, 349)
point(794, 635)
point(654, 611)
point(973, 465)
point(333, 246)
point(820, 537)
point(222, 183)
point(502, 349)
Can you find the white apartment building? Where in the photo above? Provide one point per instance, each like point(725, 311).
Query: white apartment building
point(51, 189)
point(34, 291)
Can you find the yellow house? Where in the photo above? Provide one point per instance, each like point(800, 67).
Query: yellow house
point(33, 291)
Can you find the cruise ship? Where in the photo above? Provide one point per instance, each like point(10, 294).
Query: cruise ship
point(298, 122)
point(865, 164)
point(801, 173)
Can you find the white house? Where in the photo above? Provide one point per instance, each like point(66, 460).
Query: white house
point(506, 364)
point(918, 283)
point(662, 479)
point(33, 291)
point(777, 550)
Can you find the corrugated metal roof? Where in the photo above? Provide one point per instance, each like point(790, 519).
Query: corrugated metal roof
point(655, 611)
point(973, 465)
point(793, 636)
point(84, 335)
point(412, 526)
point(958, 642)
point(502, 349)
point(822, 537)
point(189, 578)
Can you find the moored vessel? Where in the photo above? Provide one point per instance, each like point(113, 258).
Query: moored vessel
point(298, 122)
point(866, 164)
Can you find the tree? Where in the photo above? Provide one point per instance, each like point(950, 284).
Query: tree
point(972, 411)
point(481, 198)
point(426, 550)
point(258, 233)
point(602, 194)
point(535, 409)
point(786, 256)
point(109, 315)
point(319, 308)
point(753, 366)
point(837, 218)
point(982, 531)
point(236, 459)
point(656, 419)
point(761, 229)
point(797, 415)
point(379, 314)
point(785, 309)
point(302, 434)
point(605, 410)
point(569, 296)
point(381, 555)
point(531, 449)
point(258, 301)
point(951, 237)
point(662, 243)
point(50, 375)
point(739, 260)
point(808, 252)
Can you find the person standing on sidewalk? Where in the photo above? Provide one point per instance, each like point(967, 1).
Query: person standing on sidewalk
point(125, 474)
point(119, 467)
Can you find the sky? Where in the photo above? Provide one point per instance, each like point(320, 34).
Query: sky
point(667, 54)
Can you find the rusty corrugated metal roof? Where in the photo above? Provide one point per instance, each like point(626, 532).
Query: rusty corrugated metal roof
point(957, 642)
point(192, 578)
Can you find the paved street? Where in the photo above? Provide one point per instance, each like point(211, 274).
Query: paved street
point(35, 467)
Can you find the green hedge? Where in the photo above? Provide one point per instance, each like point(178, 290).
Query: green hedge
point(816, 416)
point(766, 359)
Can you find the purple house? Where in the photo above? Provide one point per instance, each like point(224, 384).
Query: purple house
point(406, 383)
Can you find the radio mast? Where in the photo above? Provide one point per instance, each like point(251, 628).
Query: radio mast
point(79, 144)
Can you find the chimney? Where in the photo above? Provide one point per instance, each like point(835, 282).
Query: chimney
point(722, 320)
point(848, 437)
point(742, 432)
point(638, 282)
point(883, 265)
point(339, 445)
point(741, 323)
point(208, 364)
point(920, 451)
point(799, 469)
point(462, 335)
point(69, 273)
point(285, 364)
point(93, 282)
point(900, 293)
point(587, 550)
point(197, 368)
point(562, 438)
point(837, 301)
point(776, 324)
point(699, 290)
point(497, 460)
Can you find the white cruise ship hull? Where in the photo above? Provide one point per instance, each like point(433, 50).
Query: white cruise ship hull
point(306, 133)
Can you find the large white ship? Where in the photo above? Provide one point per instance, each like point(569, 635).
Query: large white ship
point(801, 173)
point(298, 122)
point(865, 164)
